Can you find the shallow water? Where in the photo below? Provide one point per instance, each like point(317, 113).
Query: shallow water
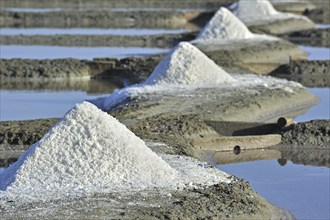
point(57, 52)
point(322, 26)
point(303, 190)
point(40, 10)
point(88, 31)
point(319, 111)
point(24, 105)
point(317, 53)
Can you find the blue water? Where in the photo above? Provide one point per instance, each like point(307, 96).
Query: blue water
point(57, 52)
point(317, 53)
point(320, 111)
point(303, 190)
point(88, 31)
point(40, 10)
point(24, 105)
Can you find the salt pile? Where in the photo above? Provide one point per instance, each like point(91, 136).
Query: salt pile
point(187, 65)
point(90, 151)
point(250, 11)
point(87, 150)
point(224, 26)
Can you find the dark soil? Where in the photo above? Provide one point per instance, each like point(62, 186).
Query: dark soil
point(314, 73)
point(159, 41)
point(313, 134)
point(43, 69)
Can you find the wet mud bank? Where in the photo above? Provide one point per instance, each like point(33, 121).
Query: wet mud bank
point(159, 41)
point(99, 19)
point(314, 134)
point(192, 136)
point(258, 57)
point(138, 4)
point(313, 37)
point(308, 73)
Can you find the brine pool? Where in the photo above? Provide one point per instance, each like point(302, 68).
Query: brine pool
point(301, 189)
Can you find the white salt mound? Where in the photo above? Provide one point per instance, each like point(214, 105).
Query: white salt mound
point(186, 65)
point(224, 26)
point(87, 150)
point(250, 11)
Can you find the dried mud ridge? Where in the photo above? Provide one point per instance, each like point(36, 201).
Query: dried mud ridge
point(235, 200)
point(177, 132)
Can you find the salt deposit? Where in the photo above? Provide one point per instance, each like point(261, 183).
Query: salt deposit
point(224, 25)
point(256, 11)
point(187, 65)
point(90, 151)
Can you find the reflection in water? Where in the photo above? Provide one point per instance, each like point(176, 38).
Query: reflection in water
point(303, 190)
point(311, 157)
point(238, 156)
point(32, 100)
point(90, 86)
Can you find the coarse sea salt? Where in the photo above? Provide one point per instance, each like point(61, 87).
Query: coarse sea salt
point(88, 149)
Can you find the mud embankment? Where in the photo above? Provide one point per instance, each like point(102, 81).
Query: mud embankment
point(159, 41)
point(313, 37)
point(314, 134)
point(308, 73)
point(98, 19)
point(258, 57)
point(155, 4)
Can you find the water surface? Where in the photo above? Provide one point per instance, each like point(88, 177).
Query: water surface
point(317, 53)
point(88, 31)
point(303, 190)
point(24, 105)
point(57, 52)
point(319, 111)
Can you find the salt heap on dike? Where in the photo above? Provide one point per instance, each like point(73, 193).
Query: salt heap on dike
point(224, 26)
point(87, 151)
point(185, 67)
point(256, 11)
